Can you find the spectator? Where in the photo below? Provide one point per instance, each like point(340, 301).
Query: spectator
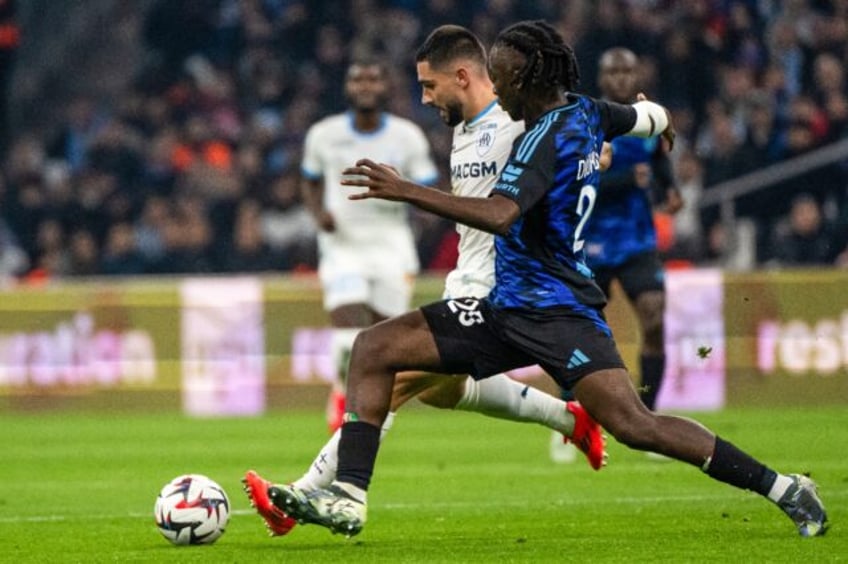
point(10, 39)
point(248, 251)
point(120, 254)
point(803, 238)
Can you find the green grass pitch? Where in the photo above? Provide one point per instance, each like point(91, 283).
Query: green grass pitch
point(449, 487)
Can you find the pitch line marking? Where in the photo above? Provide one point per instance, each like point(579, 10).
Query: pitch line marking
point(413, 506)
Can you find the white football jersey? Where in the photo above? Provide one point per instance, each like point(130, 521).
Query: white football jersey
point(333, 144)
point(480, 150)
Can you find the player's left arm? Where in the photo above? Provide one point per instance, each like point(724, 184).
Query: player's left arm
point(666, 196)
point(494, 214)
point(642, 119)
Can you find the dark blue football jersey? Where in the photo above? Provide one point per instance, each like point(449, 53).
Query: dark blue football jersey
point(622, 224)
point(553, 175)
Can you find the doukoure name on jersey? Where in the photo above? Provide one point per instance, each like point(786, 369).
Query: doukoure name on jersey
point(587, 166)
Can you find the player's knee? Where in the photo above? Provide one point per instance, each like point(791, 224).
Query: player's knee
point(371, 350)
point(445, 393)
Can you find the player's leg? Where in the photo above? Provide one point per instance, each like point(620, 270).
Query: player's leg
point(611, 399)
point(643, 280)
point(347, 321)
point(501, 397)
point(401, 343)
point(468, 342)
point(560, 450)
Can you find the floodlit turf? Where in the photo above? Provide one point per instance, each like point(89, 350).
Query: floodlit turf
point(449, 487)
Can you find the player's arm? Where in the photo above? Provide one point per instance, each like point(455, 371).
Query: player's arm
point(312, 192)
point(312, 179)
point(642, 119)
point(494, 214)
point(666, 196)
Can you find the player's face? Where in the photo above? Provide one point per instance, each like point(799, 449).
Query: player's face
point(439, 89)
point(505, 64)
point(365, 87)
point(617, 77)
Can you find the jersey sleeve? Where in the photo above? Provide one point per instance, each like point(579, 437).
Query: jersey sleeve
point(311, 164)
point(616, 119)
point(528, 173)
point(419, 165)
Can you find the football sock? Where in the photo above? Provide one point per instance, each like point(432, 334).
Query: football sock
point(732, 466)
point(502, 397)
point(781, 484)
point(322, 471)
point(652, 368)
point(358, 448)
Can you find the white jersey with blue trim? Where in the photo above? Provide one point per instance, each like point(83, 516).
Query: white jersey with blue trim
point(334, 144)
point(480, 150)
point(370, 236)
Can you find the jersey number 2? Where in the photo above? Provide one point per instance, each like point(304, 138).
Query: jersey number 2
point(585, 204)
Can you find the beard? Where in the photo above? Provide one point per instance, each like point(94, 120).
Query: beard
point(451, 114)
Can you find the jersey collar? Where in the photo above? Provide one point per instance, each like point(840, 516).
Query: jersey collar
point(380, 126)
point(483, 112)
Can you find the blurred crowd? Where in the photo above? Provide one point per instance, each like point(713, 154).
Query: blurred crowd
point(194, 168)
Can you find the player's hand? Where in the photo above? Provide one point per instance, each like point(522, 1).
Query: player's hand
point(606, 156)
point(669, 132)
point(326, 222)
point(673, 201)
point(383, 181)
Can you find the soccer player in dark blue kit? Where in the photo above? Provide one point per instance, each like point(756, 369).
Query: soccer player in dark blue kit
point(545, 307)
point(621, 242)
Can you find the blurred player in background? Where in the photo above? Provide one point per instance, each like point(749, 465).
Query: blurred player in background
point(544, 306)
point(451, 66)
point(367, 255)
point(621, 242)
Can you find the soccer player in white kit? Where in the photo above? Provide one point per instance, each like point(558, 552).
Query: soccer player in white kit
point(367, 255)
point(451, 66)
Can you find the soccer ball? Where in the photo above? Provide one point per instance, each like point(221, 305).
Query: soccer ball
point(192, 509)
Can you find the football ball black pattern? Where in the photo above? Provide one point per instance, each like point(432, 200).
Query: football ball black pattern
point(192, 509)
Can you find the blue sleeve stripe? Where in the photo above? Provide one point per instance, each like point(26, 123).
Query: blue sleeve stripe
point(309, 174)
point(427, 180)
point(531, 141)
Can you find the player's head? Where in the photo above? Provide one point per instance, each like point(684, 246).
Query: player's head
point(366, 85)
point(530, 63)
point(449, 63)
point(617, 74)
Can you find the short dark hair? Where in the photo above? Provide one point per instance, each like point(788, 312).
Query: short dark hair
point(550, 60)
point(448, 43)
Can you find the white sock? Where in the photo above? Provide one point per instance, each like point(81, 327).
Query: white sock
point(779, 487)
point(502, 397)
point(322, 471)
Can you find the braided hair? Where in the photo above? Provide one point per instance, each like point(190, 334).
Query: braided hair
point(551, 62)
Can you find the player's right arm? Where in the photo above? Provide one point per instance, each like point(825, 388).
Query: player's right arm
point(312, 192)
point(312, 182)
